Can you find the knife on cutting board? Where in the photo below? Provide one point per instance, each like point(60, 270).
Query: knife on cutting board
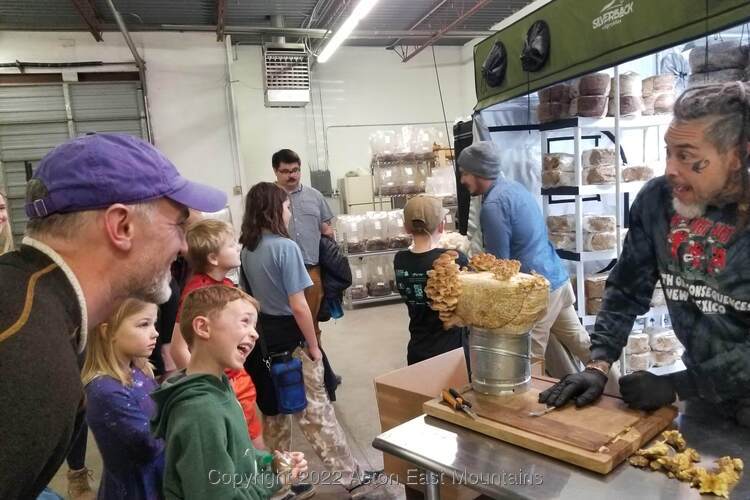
point(539, 413)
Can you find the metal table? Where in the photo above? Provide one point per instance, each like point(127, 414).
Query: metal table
point(501, 470)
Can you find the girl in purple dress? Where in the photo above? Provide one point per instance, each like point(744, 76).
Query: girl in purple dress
point(118, 380)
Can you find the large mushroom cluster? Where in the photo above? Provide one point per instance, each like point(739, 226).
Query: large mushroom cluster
point(443, 288)
point(501, 268)
point(458, 304)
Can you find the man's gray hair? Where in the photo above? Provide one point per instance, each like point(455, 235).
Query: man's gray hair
point(67, 226)
point(725, 105)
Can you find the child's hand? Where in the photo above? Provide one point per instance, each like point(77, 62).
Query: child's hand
point(314, 353)
point(299, 464)
point(289, 464)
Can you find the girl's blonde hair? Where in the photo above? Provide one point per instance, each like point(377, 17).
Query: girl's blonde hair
point(100, 351)
point(6, 235)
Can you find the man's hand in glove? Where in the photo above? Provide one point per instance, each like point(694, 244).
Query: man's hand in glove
point(643, 390)
point(585, 387)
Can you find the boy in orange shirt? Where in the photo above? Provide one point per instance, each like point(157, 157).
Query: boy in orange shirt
point(213, 253)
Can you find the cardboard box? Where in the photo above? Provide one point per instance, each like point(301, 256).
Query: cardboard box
point(400, 395)
point(443, 158)
point(593, 306)
point(595, 284)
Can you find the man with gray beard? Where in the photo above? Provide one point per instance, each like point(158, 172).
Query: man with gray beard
point(688, 229)
point(107, 216)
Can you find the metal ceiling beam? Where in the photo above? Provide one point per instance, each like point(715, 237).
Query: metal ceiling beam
point(262, 30)
point(441, 34)
point(87, 11)
point(318, 33)
point(364, 34)
point(131, 45)
point(221, 8)
point(421, 20)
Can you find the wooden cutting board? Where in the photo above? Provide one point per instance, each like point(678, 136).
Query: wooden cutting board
point(597, 437)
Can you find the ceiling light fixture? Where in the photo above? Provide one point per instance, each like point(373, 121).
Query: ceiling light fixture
point(360, 11)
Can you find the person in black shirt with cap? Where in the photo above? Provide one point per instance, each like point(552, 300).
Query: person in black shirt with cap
point(424, 220)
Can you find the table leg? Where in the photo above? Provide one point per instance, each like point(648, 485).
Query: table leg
point(432, 488)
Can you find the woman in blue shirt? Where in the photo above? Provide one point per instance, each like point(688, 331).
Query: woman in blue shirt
point(274, 272)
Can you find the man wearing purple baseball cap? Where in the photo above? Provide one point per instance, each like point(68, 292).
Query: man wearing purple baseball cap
point(107, 216)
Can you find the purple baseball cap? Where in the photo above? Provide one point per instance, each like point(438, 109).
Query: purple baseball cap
point(97, 170)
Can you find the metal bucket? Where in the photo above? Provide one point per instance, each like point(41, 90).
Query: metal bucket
point(500, 364)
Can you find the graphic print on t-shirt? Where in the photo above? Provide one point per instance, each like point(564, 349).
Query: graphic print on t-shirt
point(698, 256)
point(411, 285)
point(698, 246)
point(418, 292)
point(411, 271)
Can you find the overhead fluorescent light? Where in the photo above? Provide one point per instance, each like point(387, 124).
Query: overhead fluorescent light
point(360, 11)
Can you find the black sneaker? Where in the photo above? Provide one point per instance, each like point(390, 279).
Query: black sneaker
point(369, 487)
point(298, 492)
point(303, 490)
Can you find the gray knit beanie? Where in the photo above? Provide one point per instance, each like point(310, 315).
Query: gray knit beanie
point(481, 159)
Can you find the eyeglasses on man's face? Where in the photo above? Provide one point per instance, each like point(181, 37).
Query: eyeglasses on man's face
point(286, 172)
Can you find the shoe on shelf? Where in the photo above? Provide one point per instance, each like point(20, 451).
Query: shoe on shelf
point(79, 487)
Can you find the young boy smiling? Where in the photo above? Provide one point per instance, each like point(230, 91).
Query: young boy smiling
point(213, 253)
point(198, 415)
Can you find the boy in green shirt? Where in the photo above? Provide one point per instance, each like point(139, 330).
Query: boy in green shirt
point(208, 451)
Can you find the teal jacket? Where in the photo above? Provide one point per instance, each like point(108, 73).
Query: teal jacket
point(208, 450)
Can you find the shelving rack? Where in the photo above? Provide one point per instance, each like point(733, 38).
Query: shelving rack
point(351, 303)
point(622, 190)
point(656, 313)
point(425, 162)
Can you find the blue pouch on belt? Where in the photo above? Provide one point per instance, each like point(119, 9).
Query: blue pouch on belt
point(289, 383)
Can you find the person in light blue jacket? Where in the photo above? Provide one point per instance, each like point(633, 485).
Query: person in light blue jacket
point(513, 228)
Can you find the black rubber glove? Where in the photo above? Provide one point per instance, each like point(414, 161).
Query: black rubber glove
point(643, 390)
point(585, 387)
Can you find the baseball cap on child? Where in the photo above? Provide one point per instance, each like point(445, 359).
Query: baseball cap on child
point(97, 170)
point(424, 212)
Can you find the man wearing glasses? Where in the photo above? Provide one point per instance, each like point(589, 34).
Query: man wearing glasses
point(311, 217)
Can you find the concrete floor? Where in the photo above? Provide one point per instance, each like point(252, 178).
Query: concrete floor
point(365, 343)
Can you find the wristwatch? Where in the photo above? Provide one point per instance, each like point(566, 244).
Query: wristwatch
point(599, 365)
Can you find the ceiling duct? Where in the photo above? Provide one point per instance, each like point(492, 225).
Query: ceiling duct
point(277, 21)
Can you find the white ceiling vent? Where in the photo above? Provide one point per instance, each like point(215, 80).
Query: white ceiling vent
point(286, 75)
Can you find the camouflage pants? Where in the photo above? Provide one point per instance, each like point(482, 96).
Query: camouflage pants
point(318, 424)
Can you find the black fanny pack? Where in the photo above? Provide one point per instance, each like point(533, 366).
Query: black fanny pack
point(276, 373)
